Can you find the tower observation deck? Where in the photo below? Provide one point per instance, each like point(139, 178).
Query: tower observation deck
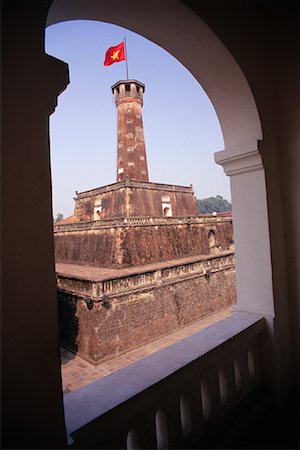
point(132, 159)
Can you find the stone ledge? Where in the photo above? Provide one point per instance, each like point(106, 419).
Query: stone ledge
point(182, 359)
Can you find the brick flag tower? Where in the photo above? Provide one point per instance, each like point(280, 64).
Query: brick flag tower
point(132, 161)
point(135, 258)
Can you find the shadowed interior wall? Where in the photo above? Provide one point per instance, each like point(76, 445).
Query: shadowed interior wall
point(32, 402)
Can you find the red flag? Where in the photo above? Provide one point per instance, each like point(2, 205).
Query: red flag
point(115, 54)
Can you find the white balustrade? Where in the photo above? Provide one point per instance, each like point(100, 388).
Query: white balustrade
point(173, 398)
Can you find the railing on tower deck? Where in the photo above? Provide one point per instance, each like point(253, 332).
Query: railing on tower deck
point(175, 397)
point(141, 221)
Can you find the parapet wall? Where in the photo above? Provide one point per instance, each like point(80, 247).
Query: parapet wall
point(136, 241)
point(134, 198)
point(102, 319)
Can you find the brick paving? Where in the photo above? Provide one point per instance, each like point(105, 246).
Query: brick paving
point(76, 372)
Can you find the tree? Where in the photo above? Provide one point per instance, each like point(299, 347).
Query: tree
point(213, 204)
point(59, 217)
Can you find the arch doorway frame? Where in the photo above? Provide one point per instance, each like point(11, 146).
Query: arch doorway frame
point(29, 98)
point(228, 89)
point(235, 106)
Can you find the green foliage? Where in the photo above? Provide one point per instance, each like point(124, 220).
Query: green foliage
point(213, 204)
point(59, 217)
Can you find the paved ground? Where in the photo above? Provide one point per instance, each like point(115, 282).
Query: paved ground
point(76, 372)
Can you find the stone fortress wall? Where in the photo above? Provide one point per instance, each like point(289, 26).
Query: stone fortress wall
point(134, 241)
point(103, 318)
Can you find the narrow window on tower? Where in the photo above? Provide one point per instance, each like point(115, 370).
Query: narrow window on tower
point(127, 87)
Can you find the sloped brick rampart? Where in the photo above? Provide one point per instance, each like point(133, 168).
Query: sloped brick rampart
point(137, 242)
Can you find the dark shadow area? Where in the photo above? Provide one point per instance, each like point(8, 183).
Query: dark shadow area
point(276, 430)
point(66, 356)
point(68, 325)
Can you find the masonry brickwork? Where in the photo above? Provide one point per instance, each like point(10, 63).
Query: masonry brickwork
point(139, 241)
point(102, 319)
point(132, 158)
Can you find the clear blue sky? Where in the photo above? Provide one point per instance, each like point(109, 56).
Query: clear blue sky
point(181, 127)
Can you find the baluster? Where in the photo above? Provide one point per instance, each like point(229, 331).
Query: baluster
point(251, 364)
point(237, 374)
point(133, 441)
point(185, 415)
point(161, 430)
point(205, 399)
point(223, 386)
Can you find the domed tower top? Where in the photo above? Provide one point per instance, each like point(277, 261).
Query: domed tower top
point(132, 161)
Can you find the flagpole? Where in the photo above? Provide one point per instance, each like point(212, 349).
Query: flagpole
point(126, 58)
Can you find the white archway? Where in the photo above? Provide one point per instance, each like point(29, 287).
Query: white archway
point(28, 99)
point(178, 30)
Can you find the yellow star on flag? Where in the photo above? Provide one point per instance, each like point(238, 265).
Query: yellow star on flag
point(115, 55)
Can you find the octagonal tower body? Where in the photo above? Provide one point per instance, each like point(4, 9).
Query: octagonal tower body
point(132, 159)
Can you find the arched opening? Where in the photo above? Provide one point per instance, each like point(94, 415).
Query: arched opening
point(211, 240)
point(171, 135)
point(230, 95)
point(241, 161)
point(237, 112)
point(167, 211)
point(236, 109)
